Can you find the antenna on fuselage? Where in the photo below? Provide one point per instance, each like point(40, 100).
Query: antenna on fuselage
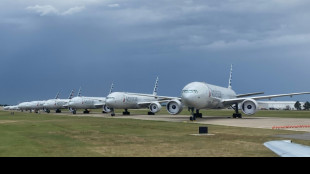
point(230, 78)
point(155, 87)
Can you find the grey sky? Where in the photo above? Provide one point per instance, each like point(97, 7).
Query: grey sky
point(50, 45)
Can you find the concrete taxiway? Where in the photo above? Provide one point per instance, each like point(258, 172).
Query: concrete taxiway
point(251, 122)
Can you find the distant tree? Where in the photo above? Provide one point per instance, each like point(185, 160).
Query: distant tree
point(297, 105)
point(307, 106)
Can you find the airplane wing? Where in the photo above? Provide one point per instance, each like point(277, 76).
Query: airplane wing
point(286, 148)
point(146, 104)
point(156, 97)
point(249, 94)
point(238, 100)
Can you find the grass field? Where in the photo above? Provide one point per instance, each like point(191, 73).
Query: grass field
point(49, 135)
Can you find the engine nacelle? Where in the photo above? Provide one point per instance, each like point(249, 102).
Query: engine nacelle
point(174, 107)
point(249, 106)
point(155, 107)
point(106, 109)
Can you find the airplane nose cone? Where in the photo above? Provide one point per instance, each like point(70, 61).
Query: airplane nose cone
point(189, 99)
point(70, 104)
point(109, 102)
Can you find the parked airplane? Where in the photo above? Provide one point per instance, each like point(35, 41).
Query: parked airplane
point(57, 104)
point(35, 105)
point(23, 106)
point(14, 107)
point(200, 95)
point(286, 148)
point(81, 102)
point(126, 100)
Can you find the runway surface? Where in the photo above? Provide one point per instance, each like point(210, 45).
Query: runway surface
point(294, 124)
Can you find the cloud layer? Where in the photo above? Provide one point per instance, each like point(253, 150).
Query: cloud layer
point(50, 10)
point(54, 44)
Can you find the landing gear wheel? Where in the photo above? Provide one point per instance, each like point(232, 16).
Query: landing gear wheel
point(126, 112)
point(237, 115)
point(150, 113)
point(192, 118)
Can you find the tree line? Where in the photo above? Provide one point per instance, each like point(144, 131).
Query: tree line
point(298, 106)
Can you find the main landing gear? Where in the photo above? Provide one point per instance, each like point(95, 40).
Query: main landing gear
point(112, 112)
point(150, 113)
point(126, 112)
point(86, 111)
point(194, 115)
point(236, 114)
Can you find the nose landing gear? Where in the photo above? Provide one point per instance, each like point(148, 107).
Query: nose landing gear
point(194, 115)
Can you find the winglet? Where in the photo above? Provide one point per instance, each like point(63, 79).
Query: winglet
point(230, 78)
point(155, 87)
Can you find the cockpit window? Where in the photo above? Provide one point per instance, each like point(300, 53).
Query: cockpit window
point(190, 91)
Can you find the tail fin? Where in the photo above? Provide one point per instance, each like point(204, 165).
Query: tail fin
point(80, 92)
point(71, 94)
point(111, 89)
point(57, 95)
point(155, 87)
point(230, 78)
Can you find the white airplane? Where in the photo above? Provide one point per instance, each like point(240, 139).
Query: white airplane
point(37, 105)
point(200, 95)
point(23, 106)
point(33, 105)
point(14, 107)
point(81, 102)
point(126, 100)
point(57, 104)
point(286, 148)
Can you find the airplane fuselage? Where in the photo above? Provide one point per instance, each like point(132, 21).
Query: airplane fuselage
point(56, 103)
point(87, 102)
point(201, 95)
point(124, 100)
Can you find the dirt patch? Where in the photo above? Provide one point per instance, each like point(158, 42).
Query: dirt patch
point(7, 121)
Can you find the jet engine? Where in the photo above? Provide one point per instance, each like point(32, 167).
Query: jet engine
point(174, 107)
point(155, 107)
point(106, 109)
point(249, 106)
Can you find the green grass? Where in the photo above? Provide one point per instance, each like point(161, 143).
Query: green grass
point(50, 135)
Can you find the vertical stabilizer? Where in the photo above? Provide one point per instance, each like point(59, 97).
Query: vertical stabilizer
point(230, 78)
point(111, 89)
point(155, 87)
point(57, 95)
point(71, 94)
point(80, 92)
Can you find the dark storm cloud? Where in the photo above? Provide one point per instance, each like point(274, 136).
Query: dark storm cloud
point(52, 45)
